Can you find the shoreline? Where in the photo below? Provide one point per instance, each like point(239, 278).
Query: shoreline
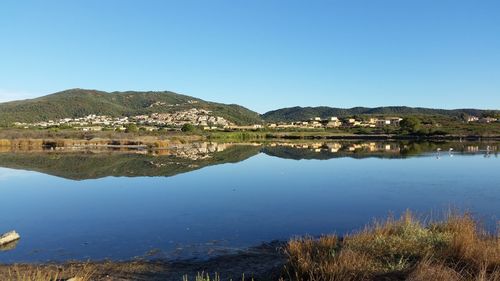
point(263, 262)
point(159, 142)
point(455, 248)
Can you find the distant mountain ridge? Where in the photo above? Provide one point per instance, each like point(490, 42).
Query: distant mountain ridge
point(81, 102)
point(305, 113)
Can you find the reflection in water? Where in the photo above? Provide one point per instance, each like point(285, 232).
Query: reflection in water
point(98, 163)
point(335, 147)
point(84, 163)
point(328, 150)
point(134, 206)
point(192, 151)
point(9, 246)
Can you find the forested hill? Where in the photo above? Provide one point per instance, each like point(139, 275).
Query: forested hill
point(305, 113)
point(81, 102)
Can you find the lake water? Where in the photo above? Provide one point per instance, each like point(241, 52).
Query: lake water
point(201, 200)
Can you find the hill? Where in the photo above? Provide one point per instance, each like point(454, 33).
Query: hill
point(305, 113)
point(75, 103)
point(81, 102)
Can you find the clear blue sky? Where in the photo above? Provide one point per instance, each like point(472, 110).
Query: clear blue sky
point(263, 54)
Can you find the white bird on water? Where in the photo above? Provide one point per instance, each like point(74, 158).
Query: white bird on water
point(438, 156)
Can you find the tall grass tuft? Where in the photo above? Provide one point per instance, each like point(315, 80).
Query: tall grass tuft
point(453, 249)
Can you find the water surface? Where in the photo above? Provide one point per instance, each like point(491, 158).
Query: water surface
point(201, 200)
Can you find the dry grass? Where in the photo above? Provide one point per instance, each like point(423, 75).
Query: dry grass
point(400, 249)
point(428, 270)
point(310, 259)
point(48, 273)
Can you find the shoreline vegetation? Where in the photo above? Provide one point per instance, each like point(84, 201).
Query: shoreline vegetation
point(455, 248)
point(23, 139)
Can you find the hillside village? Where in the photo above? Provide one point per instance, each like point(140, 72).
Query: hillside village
point(349, 122)
point(206, 120)
point(152, 122)
point(336, 122)
point(197, 117)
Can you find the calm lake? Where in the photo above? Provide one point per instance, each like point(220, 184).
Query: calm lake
point(204, 199)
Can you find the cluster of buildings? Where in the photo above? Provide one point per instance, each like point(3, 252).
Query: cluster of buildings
point(194, 116)
point(206, 120)
point(335, 122)
point(201, 118)
point(472, 119)
point(90, 122)
point(154, 121)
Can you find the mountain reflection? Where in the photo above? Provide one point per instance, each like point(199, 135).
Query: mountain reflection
point(79, 163)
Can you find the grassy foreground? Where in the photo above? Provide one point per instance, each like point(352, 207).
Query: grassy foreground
point(402, 249)
point(454, 249)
